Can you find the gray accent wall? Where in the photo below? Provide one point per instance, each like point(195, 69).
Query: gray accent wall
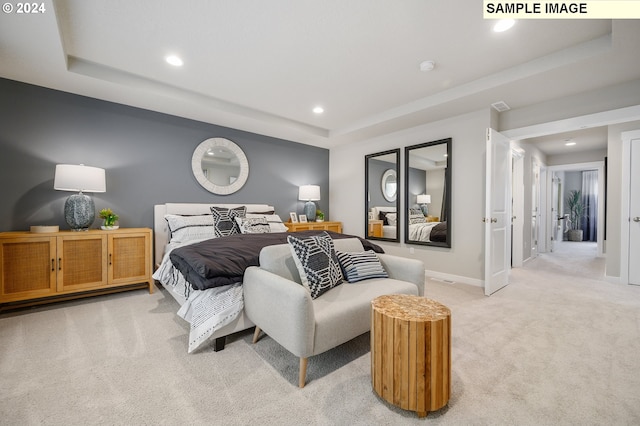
point(146, 155)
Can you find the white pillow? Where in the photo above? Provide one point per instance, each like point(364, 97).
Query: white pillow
point(188, 228)
point(392, 219)
point(253, 225)
point(275, 223)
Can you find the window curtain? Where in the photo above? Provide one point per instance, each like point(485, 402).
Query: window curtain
point(590, 200)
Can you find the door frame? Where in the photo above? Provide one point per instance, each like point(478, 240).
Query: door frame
point(625, 201)
point(597, 165)
point(517, 213)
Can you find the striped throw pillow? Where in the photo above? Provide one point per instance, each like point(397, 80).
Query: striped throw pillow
point(361, 266)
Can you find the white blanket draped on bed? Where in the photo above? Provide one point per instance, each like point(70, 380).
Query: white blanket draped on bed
point(206, 311)
point(421, 231)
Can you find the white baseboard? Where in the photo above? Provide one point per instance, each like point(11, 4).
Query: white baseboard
point(449, 278)
point(613, 280)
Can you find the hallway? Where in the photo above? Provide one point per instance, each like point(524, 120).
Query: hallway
point(577, 259)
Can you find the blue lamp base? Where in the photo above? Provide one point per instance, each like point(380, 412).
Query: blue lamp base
point(79, 212)
point(310, 211)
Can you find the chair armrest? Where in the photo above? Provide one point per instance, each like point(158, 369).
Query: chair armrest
point(281, 308)
point(401, 268)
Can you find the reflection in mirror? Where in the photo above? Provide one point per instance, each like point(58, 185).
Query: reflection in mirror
point(381, 195)
point(428, 193)
point(389, 185)
point(220, 166)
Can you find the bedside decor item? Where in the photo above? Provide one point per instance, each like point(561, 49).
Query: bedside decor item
point(423, 200)
point(309, 193)
point(319, 216)
point(79, 210)
point(294, 217)
point(110, 219)
point(43, 229)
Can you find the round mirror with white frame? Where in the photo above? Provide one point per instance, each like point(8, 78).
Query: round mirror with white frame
point(220, 166)
point(389, 185)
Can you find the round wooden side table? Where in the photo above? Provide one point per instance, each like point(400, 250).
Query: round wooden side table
point(411, 352)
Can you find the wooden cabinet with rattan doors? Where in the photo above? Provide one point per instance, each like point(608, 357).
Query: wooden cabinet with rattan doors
point(314, 226)
point(39, 268)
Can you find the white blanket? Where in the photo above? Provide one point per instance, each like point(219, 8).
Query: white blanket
point(206, 311)
point(421, 231)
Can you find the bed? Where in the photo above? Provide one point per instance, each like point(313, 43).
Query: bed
point(423, 231)
point(201, 263)
point(389, 219)
point(213, 313)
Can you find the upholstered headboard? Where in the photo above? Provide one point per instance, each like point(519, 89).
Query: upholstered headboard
point(161, 230)
point(376, 210)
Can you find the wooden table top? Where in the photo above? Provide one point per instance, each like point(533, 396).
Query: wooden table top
point(410, 308)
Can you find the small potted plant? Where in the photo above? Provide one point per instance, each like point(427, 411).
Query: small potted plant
point(319, 216)
point(110, 219)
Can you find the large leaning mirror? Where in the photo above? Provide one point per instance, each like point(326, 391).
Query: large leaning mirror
point(428, 193)
point(220, 166)
point(382, 201)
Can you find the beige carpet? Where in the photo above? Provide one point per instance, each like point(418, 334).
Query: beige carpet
point(559, 346)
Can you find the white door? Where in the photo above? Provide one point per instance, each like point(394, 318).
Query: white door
point(634, 215)
point(497, 218)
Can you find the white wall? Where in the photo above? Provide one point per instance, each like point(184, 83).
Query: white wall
point(465, 258)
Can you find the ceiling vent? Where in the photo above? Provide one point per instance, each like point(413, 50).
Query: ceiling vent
point(500, 106)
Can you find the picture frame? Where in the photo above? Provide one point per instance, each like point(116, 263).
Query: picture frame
point(303, 218)
point(371, 216)
point(294, 217)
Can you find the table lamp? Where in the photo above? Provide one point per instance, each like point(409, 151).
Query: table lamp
point(309, 193)
point(79, 210)
point(423, 200)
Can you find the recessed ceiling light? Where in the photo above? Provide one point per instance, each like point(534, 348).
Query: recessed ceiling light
point(318, 110)
point(174, 60)
point(503, 25)
point(570, 143)
point(427, 65)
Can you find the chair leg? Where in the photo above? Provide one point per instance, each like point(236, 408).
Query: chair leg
point(256, 334)
point(303, 372)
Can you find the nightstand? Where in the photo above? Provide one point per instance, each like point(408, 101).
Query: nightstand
point(375, 228)
point(314, 226)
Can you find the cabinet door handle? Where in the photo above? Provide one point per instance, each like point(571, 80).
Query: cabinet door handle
point(59, 264)
point(110, 263)
point(53, 265)
point(636, 219)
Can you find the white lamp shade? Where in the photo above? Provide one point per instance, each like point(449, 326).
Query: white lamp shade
point(309, 193)
point(423, 199)
point(72, 177)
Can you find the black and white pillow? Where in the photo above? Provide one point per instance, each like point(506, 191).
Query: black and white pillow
point(416, 216)
point(253, 225)
point(188, 228)
point(225, 220)
point(361, 266)
point(315, 258)
point(275, 222)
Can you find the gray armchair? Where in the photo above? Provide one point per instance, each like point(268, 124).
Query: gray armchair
point(280, 306)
